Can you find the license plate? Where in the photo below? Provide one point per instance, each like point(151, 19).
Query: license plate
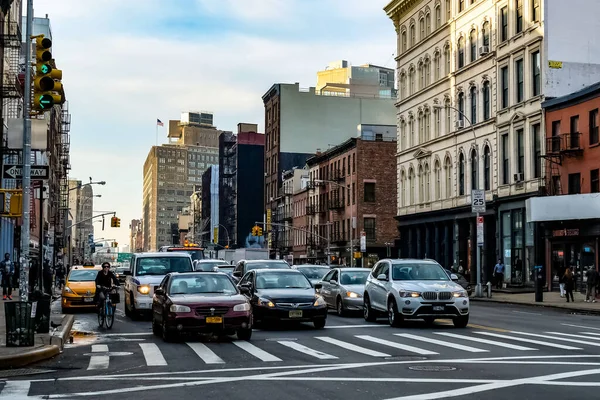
point(438, 308)
point(214, 320)
point(88, 299)
point(296, 314)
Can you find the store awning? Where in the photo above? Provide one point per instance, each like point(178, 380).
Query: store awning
point(563, 208)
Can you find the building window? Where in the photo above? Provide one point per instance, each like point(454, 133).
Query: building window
point(436, 67)
point(448, 117)
point(411, 179)
point(461, 5)
point(504, 81)
point(427, 24)
point(537, 150)
point(535, 10)
point(353, 193)
point(574, 124)
point(403, 189)
point(403, 86)
point(447, 60)
point(461, 52)
point(486, 100)
point(402, 136)
point(594, 127)
point(353, 164)
point(536, 73)
point(473, 105)
point(474, 171)
point(421, 185)
point(594, 181)
point(438, 180)
point(520, 152)
point(369, 224)
point(427, 119)
point(504, 24)
point(427, 72)
point(369, 192)
point(486, 34)
point(448, 168)
point(519, 16)
point(411, 133)
point(427, 183)
point(556, 136)
point(473, 40)
point(437, 121)
point(519, 78)
point(413, 36)
point(411, 81)
point(461, 174)
point(422, 28)
point(421, 128)
point(575, 183)
point(461, 106)
point(438, 16)
point(505, 159)
point(487, 170)
point(421, 77)
point(403, 40)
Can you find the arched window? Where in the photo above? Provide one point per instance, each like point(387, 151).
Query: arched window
point(486, 34)
point(438, 181)
point(427, 120)
point(427, 189)
point(461, 52)
point(486, 100)
point(473, 40)
point(436, 67)
point(411, 133)
point(402, 85)
point(427, 72)
point(421, 185)
point(411, 81)
point(487, 168)
point(448, 10)
point(448, 116)
point(421, 76)
point(411, 182)
point(474, 171)
point(448, 183)
point(421, 128)
point(438, 16)
point(402, 189)
point(461, 174)
point(422, 28)
point(427, 24)
point(437, 122)
point(403, 41)
point(461, 106)
point(447, 60)
point(473, 105)
point(413, 36)
point(403, 143)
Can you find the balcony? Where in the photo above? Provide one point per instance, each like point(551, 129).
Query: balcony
point(336, 175)
point(566, 143)
point(336, 203)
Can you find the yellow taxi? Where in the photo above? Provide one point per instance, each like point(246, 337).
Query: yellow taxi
point(80, 287)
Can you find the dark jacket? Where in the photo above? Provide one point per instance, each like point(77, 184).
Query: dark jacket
point(592, 277)
point(106, 280)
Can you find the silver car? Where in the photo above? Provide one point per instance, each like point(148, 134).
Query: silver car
point(414, 289)
point(343, 288)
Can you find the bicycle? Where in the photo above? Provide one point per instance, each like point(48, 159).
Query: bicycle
point(106, 310)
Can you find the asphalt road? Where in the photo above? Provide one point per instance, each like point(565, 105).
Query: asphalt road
point(506, 351)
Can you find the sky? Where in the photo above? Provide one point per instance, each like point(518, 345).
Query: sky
point(126, 63)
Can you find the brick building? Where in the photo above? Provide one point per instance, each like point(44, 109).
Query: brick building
point(570, 216)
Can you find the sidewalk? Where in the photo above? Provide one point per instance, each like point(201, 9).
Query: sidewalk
point(47, 345)
point(551, 299)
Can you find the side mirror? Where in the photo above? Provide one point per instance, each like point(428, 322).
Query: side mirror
point(127, 273)
point(382, 277)
point(159, 291)
point(245, 290)
point(237, 273)
point(318, 286)
point(333, 282)
point(454, 277)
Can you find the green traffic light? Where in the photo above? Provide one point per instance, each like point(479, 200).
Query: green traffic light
point(46, 101)
point(46, 69)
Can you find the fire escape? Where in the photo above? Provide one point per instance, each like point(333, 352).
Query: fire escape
point(558, 147)
point(228, 189)
point(63, 177)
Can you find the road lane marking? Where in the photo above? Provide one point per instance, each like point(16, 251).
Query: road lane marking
point(581, 326)
point(396, 345)
point(255, 351)
point(352, 347)
point(153, 355)
point(126, 334)
point(99, 361)
point(573, 335)
point(518, 339)
point(307, 350)
point(590, 333)
point(355, 326)
point(17, 390)
point(206, 354)
point(490, 342)
point(555, 338)
point(525, 312)
point(475, 326)
point(442, 343)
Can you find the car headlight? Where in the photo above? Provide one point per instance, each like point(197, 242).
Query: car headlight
point(143, 289)
point(265, 303)
point(410, 294)
point(68, 289)
point(176, 308)
point(460, 293)
point(319, 301)
point(352, 295)
point(242, 307)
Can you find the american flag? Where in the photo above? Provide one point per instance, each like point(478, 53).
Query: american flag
point(159, 122)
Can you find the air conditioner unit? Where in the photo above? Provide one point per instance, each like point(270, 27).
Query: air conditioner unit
point(459, 124)
point(518, 177)
point(484, 50)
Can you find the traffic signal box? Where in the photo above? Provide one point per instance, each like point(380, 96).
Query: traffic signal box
point(115, 222)
point(47, 88)
point(257, 231)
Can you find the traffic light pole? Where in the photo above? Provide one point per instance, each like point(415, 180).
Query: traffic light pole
point(24, 261)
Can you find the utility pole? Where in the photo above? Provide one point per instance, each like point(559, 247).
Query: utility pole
point(24, 261)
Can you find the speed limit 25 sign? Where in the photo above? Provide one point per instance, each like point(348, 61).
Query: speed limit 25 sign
point(478, 201)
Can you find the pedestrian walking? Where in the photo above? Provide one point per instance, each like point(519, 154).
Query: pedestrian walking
point(569, 284)
point(499, 273)
point(7, 269)
point(561, 280)
point(592, 282)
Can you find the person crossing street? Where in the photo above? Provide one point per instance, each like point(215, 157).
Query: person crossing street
point(7, 270)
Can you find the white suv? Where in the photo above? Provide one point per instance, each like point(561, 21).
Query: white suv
point(414, 289)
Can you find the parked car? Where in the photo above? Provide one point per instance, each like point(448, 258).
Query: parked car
point(243, 266)
point(200, 302)
point(207, 265)
point(461, 280)
point(314, 273)
point(283, 295)
point(414, 289)
point(343, 288)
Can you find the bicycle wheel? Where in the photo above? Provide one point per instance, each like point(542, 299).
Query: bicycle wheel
point(101, 315)
point(110, 315)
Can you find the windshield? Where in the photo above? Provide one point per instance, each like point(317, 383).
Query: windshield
point(282, 280)
point(206, 266)
point(314, 272)
point(354, 277)
point(418, 272)
point(162, 265)
point(81, 275)
point(202, 283)
point(267, 265)
point(196, 254)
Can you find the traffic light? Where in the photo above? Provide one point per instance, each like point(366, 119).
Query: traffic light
point(113, 222)
point(47, 90)
point(118, 222)
point(259, 231)
point(255, 230)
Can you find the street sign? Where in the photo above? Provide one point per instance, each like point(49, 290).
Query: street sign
point(11, 171)
point(478, 201)
point(480, 234)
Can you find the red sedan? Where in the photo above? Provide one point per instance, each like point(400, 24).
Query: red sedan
point(200, 302)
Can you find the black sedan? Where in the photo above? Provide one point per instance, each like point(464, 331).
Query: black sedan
point(283, 295)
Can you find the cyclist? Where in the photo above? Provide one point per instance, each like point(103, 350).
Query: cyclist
point(104, 280)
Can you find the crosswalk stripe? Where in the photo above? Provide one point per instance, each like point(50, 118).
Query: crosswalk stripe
point(206, 354)
point(152, 354)
point(255, 351)
point(306, 350)
point(486, 341)
point(395, 345)
point(352, 347)
point(573, 335)
point(582, 326)
point(518, 339)
point(16, 390)
point(591, 333)
point(555, 338)
point(99, 361)
point(441, 343)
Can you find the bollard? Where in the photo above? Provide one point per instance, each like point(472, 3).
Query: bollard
point(489, 289)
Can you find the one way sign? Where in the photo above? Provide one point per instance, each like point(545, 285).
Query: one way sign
point(38, 172)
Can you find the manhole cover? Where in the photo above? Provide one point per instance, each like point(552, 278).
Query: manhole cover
point(404, 358)
point(7, 373)
point(431, 368)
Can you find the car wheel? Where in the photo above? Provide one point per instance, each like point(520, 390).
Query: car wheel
point(461, 322)
point(368, 312)
point(156, 329)
point(394, 317)
point(132, 313)
point(244, 333)
point(127, 312)
point(167, 335)
point(320, 323)
point(341, 311)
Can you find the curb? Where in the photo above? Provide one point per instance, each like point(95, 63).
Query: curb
point(542, 305)
point(61, 337)
point(29, 357)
